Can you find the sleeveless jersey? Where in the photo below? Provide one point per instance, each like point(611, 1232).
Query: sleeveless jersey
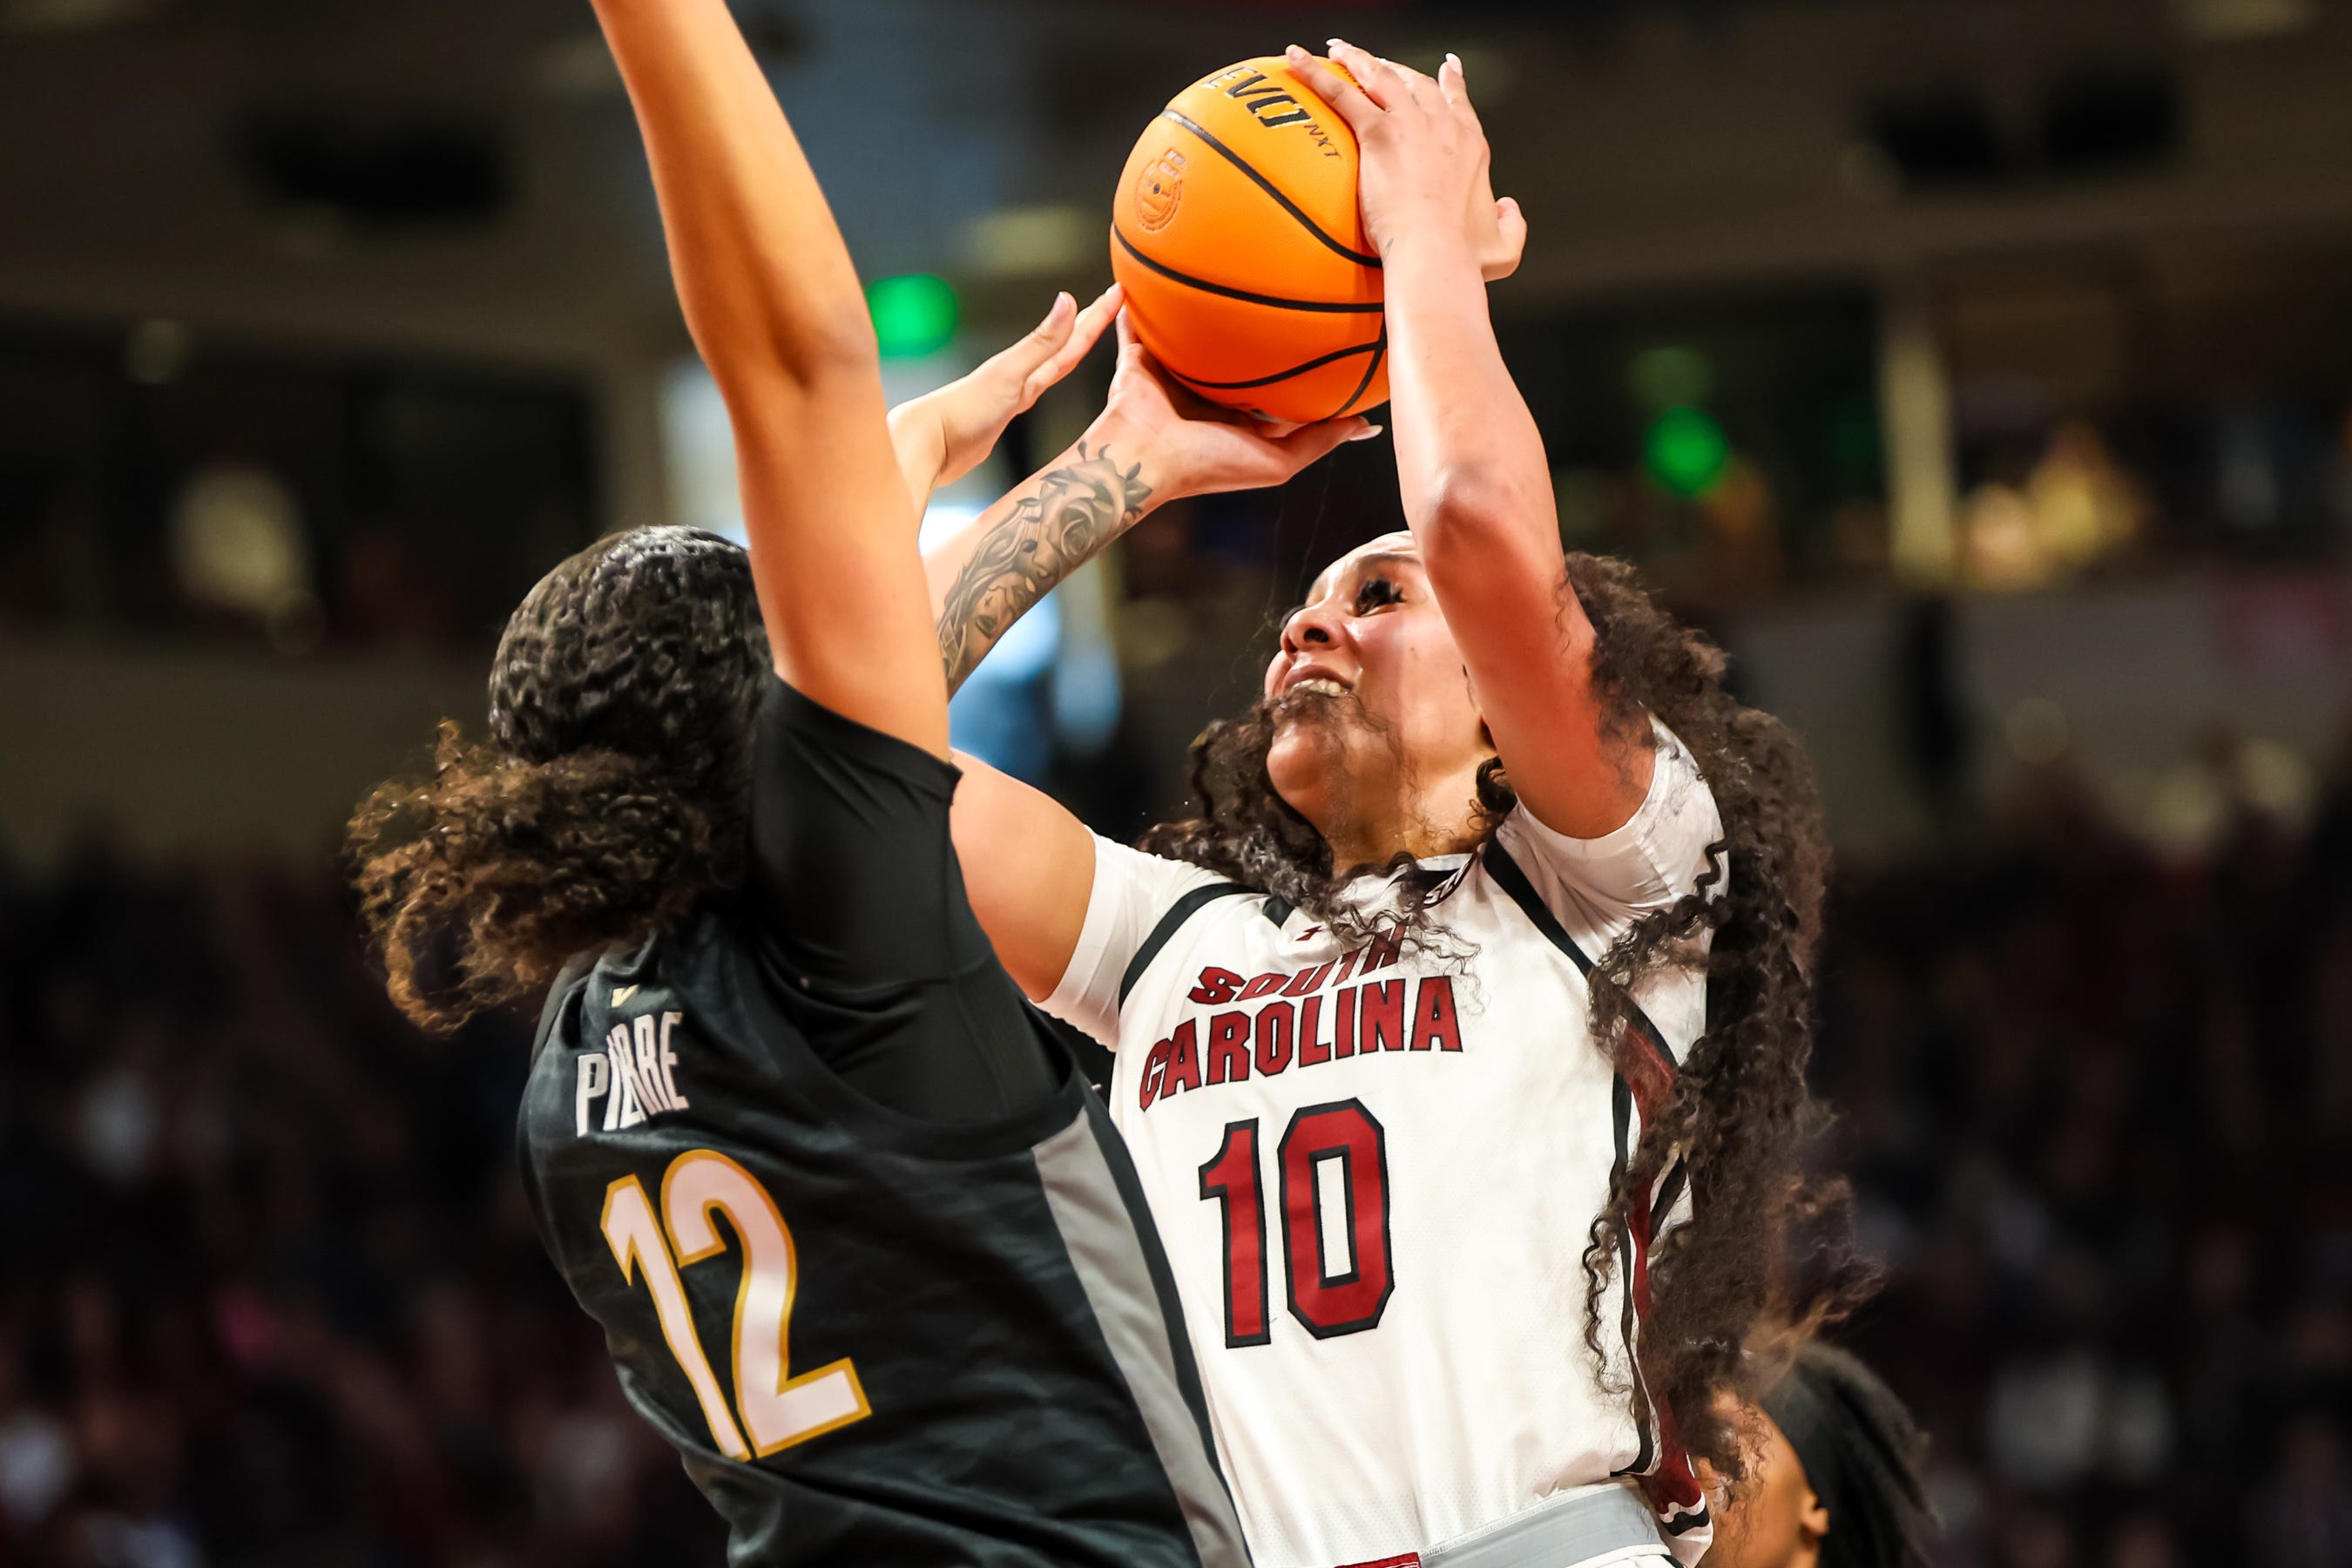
point(871, 1339)
point(1375, 1166)
point(873, 1336)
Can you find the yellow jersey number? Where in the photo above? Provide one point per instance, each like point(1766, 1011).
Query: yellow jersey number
point(777, 1409)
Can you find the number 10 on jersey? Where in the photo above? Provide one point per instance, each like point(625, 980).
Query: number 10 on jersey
point(779, 1409)
point(1335, 1246)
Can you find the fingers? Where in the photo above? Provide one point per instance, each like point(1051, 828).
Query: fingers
point(1374, 75)
point(1454, 88)
point(1312, 443)
point(1511, 226)
point(1389, 84)
point(1359, 110)
point(1085, 331)
point(1036, 347)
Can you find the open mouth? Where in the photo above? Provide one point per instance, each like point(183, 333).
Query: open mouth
point(1315, 686)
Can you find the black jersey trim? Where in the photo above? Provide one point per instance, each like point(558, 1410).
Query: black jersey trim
point(1271, 189)
point(1669, 1190)
point(1682, 1524)
point(1182, 909)
point(1278, 910)
point(1620, 1110)
point(1513, 881)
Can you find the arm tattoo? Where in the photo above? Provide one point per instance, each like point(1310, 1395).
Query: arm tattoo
point(1049, 534)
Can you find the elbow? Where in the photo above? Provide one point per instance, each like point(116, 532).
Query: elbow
point(1472, 505)
point(841, 339)
point(765, 347)
point(815, 349)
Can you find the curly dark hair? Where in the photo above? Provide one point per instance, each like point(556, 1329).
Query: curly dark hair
point(1739, 1114)
point(614, 790)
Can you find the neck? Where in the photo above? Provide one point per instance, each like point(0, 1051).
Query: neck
point(1390, 816)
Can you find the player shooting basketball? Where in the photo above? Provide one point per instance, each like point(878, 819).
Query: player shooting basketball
point(862, 1243)
point(1461, 1036)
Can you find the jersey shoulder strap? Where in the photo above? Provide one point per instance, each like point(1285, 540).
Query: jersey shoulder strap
point(567, 980)
point(1510, 876)
point(1182, 909)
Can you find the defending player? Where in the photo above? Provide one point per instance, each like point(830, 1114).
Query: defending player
point(1836, 1481)
point(1460, 1039)
point(865, 1248)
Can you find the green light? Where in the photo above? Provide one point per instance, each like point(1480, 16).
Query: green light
point(1686, 451)
point(914, 314)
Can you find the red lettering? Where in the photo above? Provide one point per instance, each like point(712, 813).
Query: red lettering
point(1343, 1022)
point(1265, 984)
point(1183, 1061)
point(1153, 1066)
point(1433, 1016)
point(1383, 951)
point(1384, 1017)
point(1228, 1048)
point(1216, 985)
point(1312, 1052)
point(1274, 1024)
point(1347, 966)
point(1307, 980)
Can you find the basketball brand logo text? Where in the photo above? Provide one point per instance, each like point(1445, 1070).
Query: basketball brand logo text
point(1270, 103)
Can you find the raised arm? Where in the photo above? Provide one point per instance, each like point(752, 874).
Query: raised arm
point(1028, 863)
point(1152, 443)
point(774, 305)
point(1470, 462)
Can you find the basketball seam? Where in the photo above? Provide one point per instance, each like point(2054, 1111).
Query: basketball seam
point(1324, 307)
point(1268, 186)
point(1315, 363)
point(1380, 352)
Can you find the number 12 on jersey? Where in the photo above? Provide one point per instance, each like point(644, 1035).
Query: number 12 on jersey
point(1337, 1277)
point(779, 1409)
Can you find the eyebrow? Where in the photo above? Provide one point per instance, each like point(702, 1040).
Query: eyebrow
point(1382, 558)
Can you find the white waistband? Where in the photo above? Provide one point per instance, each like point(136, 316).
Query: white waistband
point(1613, 1521)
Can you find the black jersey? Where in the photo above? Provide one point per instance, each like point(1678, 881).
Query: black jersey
point(874, 1336)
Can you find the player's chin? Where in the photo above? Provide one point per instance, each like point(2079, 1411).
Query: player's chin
point(1305, 759)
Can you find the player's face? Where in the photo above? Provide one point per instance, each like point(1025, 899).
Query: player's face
point(1775, 1519)
point(1372, 701)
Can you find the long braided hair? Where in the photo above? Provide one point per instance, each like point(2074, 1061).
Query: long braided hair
point(1739, 1114)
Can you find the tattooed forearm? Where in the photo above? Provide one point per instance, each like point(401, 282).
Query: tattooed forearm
point(1046, 534)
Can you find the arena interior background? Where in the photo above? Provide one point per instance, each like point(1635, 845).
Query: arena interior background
point(1980, 372)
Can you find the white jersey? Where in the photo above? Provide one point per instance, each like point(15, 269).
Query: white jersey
point(1375, 1166)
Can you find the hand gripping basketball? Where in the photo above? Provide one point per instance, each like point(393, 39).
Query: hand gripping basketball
point(1191, 448)
point(1237, 236)
point(1425, 165)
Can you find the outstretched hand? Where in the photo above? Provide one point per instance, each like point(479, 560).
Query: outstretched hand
point(1193, 447)
point(948, 433)
point(1424, 161)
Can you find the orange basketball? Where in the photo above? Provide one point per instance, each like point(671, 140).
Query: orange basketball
point(1236, 233)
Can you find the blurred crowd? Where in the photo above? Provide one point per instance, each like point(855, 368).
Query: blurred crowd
point(272, 1298)
point(2095, 1097)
